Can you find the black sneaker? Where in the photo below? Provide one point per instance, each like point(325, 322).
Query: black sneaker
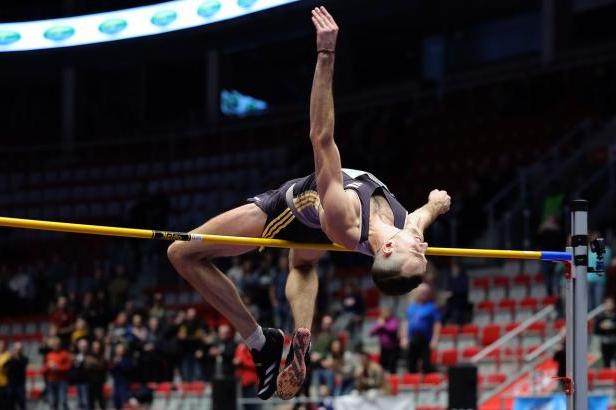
point(293, 375)
point(267, 362)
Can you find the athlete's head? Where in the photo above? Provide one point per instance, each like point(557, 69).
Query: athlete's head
point(399, 264)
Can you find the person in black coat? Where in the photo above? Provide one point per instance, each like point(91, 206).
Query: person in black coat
point(96, 372)
point(78, 374)
point(16, 374)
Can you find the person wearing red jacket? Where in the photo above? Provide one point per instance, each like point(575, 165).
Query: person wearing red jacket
point(246, 372)
point(58, 363)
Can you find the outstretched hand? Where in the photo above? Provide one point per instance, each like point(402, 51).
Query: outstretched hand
point(327, 29)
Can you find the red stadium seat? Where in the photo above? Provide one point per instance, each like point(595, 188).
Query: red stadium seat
point(510, 326)
point(433, 379)
point(606, 376)
point(500, 282)
point(394, 383)
point(539, 328)
point(450, 331)
point(36, 393)
point(470, 330)
point(449, 357)
point(522, 280)
point(469, 352)
point(195, 388)
point(559, 324)
point(508, 304)
point(411, 379)
point(490, 334)
point(486, 308)
point(529, 303)
point(496, 378)
point(481, 283)
point(549, 300)
point(164, 389)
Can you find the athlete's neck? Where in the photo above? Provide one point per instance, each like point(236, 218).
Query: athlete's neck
point(379, 232)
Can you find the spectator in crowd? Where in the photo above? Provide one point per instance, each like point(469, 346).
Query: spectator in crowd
point(207, 361)
point(118, 330)
point(596, 280)
point(387, 328)
point(96, 372)
point(157, 310)
point(136, 335)
point(605, 327)
point(64, 320)
point(57, 365)
point(423, 325)
point(320, 348)
point(368, 375)
point(170, 350)
point(80, 331)
point(457, 302)
point(236, 271)
point(246, 373)
point(121, 371)
point(16, 373)
point(93, 311)
point(225, 349)
point(5, 356)
point(550, 237)
point(189, 335)
point(118, 287)
point(79, 376)
point(353, 309)
point(151, 360)
point(338, 369)
point(282, 311)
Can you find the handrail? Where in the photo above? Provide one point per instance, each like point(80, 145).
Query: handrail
point(511, 334)
point(552, 152)
point(545, 346)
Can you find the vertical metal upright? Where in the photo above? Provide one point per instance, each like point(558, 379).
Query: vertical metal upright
point(577, 308)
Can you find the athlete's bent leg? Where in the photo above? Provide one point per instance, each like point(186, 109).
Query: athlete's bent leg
point(192, 261)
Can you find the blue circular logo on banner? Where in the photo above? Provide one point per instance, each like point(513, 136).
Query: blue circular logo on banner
point(246, 3)
point(8, 37)
point(164, 17)
point(209, 8)
point(112, 26)
point(59, 33)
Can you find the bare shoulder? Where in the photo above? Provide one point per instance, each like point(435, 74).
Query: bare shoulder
point(344, 229)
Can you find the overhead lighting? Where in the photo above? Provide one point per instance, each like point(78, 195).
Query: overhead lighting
point(128, 23)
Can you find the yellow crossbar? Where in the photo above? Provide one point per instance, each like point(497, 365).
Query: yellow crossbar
point(236, 240)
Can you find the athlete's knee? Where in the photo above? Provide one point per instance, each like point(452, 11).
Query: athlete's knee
point(179, 254)
point(304, 268)
point(175, 253)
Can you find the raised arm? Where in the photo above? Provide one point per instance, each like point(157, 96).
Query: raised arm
point(339, 213)
point(420, 219)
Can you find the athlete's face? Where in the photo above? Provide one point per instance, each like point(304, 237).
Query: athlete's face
point(412, 249)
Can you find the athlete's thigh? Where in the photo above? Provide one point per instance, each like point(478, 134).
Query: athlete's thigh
point(246, 220)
